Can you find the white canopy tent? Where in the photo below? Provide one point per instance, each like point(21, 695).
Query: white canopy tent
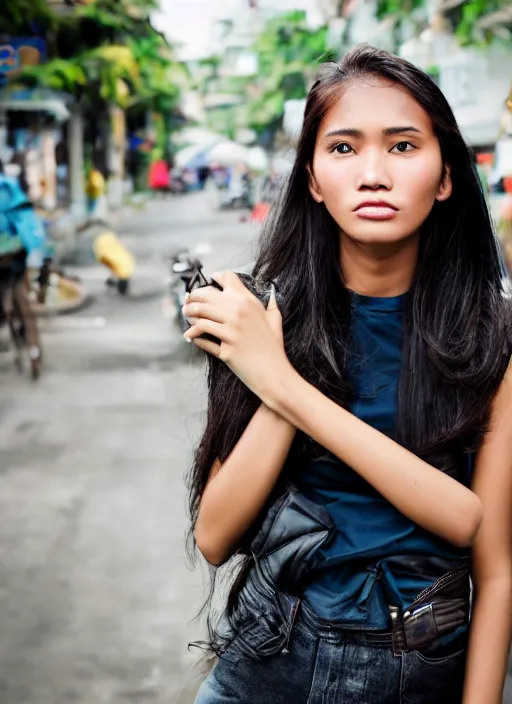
point(228, 154)
point(231, 153)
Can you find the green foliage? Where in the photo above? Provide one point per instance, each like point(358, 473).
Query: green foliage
point(105, 74)
point(16, 15)
point(121, 15)
point(397, 9)
point(433, 71)
point(289, 54)
point(113, 56)
point(161, 77)
point(58, 74)
point(469, 31)
point(466, 18)
point(211, 62)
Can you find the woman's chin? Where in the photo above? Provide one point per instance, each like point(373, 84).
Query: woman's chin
point(379, 236)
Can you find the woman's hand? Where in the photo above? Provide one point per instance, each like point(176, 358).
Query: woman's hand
point(251, 338)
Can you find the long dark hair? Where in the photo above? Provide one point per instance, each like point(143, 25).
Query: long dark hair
point(455, 348)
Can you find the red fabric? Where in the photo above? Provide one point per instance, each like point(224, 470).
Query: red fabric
point(260, 212)
point(485, 158)
point(159, 175)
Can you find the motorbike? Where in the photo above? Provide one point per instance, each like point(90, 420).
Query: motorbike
point(185, 275)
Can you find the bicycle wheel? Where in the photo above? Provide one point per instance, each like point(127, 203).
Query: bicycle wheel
point(18, 328)
point(17, 340)
point(35, 367)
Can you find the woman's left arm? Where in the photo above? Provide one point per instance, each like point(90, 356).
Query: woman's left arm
point(421, 492)
point(491, 623)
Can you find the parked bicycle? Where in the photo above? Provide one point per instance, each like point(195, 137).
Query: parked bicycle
point(17, 312)
point(22, 238)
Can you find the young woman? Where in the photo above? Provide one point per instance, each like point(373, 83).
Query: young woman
point(386, 401)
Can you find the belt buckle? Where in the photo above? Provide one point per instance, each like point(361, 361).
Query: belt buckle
point(420, 628)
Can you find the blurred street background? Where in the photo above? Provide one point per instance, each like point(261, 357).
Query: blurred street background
point(96, 597)
point(149, 136)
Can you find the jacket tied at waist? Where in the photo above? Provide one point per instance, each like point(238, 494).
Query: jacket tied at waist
point(283, 554)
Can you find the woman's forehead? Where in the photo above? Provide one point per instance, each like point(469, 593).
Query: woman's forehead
point(372, 103)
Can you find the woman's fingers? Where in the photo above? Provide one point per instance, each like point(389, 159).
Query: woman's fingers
point(207, 346)
point(228, 279)
point(204, 294)
point(203, 326)
point(193, 311)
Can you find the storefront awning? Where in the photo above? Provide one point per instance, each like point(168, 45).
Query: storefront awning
point(55, 108)
point(46, 101)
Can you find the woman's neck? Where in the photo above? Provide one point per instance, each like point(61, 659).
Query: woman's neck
point(378, 269)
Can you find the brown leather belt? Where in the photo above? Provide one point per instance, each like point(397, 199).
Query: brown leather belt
point(436, 611)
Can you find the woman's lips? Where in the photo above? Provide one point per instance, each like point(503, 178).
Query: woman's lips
point(376, 212)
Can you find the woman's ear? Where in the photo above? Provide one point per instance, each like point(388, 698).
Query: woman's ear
point(445, 187)
point(313, 186)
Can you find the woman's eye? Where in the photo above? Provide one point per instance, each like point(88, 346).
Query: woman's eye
point(404, 147)
point(343, 148)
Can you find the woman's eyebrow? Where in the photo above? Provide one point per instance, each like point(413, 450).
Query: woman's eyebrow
point(389, 131)
point(347, 132)
point(400, 130)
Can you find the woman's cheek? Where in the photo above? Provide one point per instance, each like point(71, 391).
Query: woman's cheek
point(335, 189)
point(419, 184)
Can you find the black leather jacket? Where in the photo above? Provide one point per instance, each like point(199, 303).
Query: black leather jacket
point(284, 551)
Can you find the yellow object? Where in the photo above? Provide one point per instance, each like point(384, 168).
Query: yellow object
point(109, 251)
point(95, 186)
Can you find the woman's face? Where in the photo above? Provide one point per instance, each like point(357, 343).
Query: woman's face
point(377, 163)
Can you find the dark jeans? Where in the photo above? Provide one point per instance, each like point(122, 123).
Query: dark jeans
point(329, 666)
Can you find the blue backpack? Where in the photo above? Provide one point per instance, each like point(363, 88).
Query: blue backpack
point(20, 227)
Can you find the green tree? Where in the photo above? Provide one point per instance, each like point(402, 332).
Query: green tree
point(16, 16)
point(483, 21)
point(289, 54)
point(474, 21)
point(107, 55)
point(396, 12)
point(107, 52)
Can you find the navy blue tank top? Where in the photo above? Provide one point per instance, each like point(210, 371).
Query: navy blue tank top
point(353, 582)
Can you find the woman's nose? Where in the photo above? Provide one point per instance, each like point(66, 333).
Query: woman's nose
point(374, 173)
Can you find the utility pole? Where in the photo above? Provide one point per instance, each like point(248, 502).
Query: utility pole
point(76, 161)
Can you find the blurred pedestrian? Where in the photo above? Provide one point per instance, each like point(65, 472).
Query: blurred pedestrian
point(159, 180)
point(356, 458)
point(95, 189)
point(22, 238)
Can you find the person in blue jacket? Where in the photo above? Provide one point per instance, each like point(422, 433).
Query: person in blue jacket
point(22, 238)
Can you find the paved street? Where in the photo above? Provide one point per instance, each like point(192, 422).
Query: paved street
point(96, 596)
point(95, 593)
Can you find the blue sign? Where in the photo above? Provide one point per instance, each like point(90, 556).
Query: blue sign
point(19, 53)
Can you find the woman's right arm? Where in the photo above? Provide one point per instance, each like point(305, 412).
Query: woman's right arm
point(238, 489)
